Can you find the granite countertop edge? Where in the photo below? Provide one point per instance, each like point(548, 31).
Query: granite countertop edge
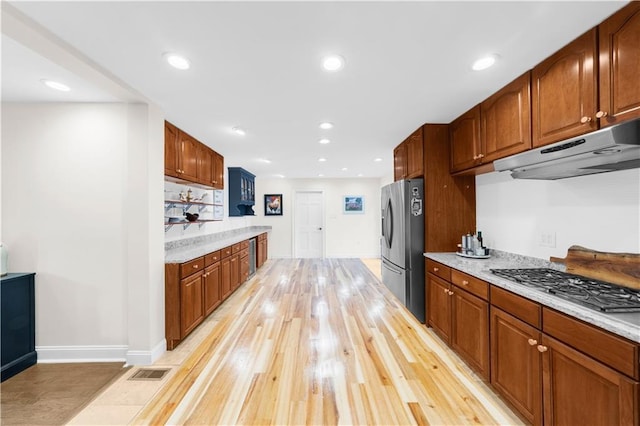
point(181, 251)
point(623, 324)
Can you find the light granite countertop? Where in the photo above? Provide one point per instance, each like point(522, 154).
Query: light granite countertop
point(623, 324)
point(181, 251)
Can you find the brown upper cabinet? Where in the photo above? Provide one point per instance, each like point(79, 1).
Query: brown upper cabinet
point(464, 133)
point(400, 162)
point(414, 154)
point(505, 121)
point(408, 159)
point(565, 92)
point(189, 160)
point(619, 38)
point(591, 83)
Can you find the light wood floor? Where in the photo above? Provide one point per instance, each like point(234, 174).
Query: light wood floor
point(321, 342)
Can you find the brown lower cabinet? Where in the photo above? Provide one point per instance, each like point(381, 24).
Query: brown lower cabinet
point(194, 289)
point(261, 250)
point(460, 318)
point(552, 368)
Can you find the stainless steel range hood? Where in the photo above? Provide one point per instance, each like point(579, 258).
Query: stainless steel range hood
point(605, 150)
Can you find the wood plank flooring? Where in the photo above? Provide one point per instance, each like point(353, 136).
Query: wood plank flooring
point(312, 341)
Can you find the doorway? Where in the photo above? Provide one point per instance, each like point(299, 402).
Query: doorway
point(308, 224)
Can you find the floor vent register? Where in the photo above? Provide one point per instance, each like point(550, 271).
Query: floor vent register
point(149, 374)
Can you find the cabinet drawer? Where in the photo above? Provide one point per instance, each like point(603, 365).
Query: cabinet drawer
point(235, 248)
point(616, 352)
point(521, 308)
point(244, 253)
point(244, 244)
point(439, 269)
point(212, 258)
point(191, 267)
point(471, 284)
point(262, 236)
point(225, 252)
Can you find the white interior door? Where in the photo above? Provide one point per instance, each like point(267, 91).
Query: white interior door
point(308, 224)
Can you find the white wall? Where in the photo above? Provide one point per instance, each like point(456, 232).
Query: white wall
point(600, 212)
point(346, 235)
point(77, 195)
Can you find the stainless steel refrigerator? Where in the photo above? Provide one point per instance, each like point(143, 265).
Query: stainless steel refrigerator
point(402, 243)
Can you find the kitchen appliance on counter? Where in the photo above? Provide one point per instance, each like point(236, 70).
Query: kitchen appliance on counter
point(402, 243)
point(612, 148)
point(589, 292)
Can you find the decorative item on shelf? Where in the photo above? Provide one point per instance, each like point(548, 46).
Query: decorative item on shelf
point(353, 204)
point(273, 204)
point(189, 195)
point(192, 217)
point(183, 196)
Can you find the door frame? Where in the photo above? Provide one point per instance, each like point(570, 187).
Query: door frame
point(293, 220)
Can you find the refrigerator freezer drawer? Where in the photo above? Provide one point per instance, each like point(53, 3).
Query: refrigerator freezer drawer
point(395, 279)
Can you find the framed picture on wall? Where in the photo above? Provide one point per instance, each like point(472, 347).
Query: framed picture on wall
point(353, 204)
point(273, 204)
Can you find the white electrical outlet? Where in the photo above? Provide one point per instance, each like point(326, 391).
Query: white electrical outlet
point(547, 238)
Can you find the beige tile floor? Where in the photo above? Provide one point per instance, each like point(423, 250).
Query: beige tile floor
point(119, 403)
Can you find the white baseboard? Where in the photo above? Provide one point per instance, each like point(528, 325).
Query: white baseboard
point(114, 353)
point(61, 354)
point(147, 357)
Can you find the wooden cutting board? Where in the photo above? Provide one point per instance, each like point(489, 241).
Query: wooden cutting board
point(617, 268)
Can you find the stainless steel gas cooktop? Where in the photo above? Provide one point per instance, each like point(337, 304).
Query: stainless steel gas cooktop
point(592, 293)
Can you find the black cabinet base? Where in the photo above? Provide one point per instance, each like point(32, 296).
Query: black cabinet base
point(18, 365)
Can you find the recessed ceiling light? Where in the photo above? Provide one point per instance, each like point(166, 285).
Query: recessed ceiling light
point(344, 169)
point(264, 160)
point(359, 174)
point(238, 131)
point(333, 63)
point(55, 85)
point(177, 61)
point(377, 160)
point(324, 141)
point(320, 175)
point(485, 62)
point(280, 176)
point(326, 125)
point(322, 160)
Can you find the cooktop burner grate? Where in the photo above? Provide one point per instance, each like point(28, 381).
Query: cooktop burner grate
point(595, 294)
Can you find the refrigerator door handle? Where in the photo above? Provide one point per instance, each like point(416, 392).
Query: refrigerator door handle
point(389, 224)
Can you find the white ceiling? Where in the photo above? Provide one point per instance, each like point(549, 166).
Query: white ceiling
point(257, 65)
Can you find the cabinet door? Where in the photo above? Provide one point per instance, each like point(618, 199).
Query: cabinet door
point(564, 92)
point(244, 268)
point(205, 165)
point(191, 308)
point(212, 288)
point(235, 271)
point(470, 329)
point(581, 391)
point(439, 307)
point(218, 171)
point(171, 148)
point(465, 140)
point(414, 154)
point(516, 368)
point(506, 120)
point(188, 157)
point(620, 66)
point(225, 277)
point(400, 162)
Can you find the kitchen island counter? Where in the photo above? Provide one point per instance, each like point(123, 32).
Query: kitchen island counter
point(623, 324)
point(181, 251)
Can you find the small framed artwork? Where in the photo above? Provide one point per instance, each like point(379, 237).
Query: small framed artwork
point(273, 204)
point(353, 204)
